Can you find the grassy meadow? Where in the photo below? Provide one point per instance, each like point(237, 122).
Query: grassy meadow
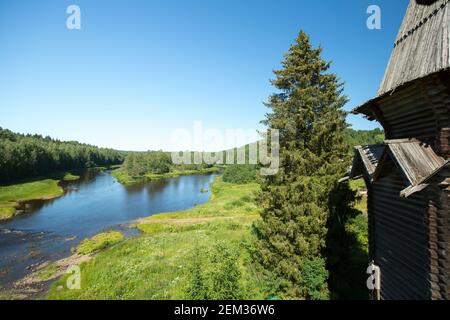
point(358, 226)
point(11, 196)
point(36, 189)
point(99, 242)
point(360, 187)
point(174, 249)
point(158, 264)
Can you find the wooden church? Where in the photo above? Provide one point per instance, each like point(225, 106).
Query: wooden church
point(408, 176)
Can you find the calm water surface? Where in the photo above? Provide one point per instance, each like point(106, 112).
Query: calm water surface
point(96, 203)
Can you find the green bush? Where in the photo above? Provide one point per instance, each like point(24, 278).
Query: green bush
point(216, 275)
point(139, 163)
point(314, 278)
point(358, 228)
point(197, 288)
point(226, 275)
point(240, 173)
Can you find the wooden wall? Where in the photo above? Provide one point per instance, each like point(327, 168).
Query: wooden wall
point(439, 230)
point(398, 239)
point(420, 110)
point(409, 238)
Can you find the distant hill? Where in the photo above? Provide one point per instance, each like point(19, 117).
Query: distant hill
point(352, 137)
point(356, 138)
point(363, 137)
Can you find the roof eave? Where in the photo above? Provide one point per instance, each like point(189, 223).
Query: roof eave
point(367, 108)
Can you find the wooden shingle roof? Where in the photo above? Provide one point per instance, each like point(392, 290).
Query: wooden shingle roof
point(421, 49)
point(416, 161)
point(422, 44)
point(368, 156)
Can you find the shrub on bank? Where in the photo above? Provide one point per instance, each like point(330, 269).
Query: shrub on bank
point(240, 174)
point(99, 242)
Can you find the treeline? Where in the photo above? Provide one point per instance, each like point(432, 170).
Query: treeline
point(362, 137)
point(248, 173)
point(26, 156)
point(138, 164)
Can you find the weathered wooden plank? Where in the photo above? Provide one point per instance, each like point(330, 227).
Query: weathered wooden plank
point(422, 45)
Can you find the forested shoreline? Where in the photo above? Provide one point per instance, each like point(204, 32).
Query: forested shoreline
point(152, 164)
point(29, 156)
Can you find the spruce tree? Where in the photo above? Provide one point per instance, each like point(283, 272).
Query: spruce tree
point(308, 112)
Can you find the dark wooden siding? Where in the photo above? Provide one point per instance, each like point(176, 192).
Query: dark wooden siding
point(446, 213)
point(420, 110)
point(439, 228)
point(398, 236)
point(437, 223)
point(447, 237)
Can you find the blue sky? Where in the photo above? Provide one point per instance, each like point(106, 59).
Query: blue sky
point(137, 70)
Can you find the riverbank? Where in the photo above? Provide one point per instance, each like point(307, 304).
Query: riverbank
point(14, 195)
point(36, 284)
point(158, 263)
point(124, 178)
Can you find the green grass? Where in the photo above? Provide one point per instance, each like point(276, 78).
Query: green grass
point(360, 186)
point(358, 228)
point(11, 195)
point(122, 176)
point(48, 272)
point(70, 177)
point(361, 204)
point(99, 242)
point(44, 188)
point(156, 264)
point(358, 225)
point(7, 211)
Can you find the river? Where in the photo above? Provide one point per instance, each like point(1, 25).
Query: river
point(97, 202)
